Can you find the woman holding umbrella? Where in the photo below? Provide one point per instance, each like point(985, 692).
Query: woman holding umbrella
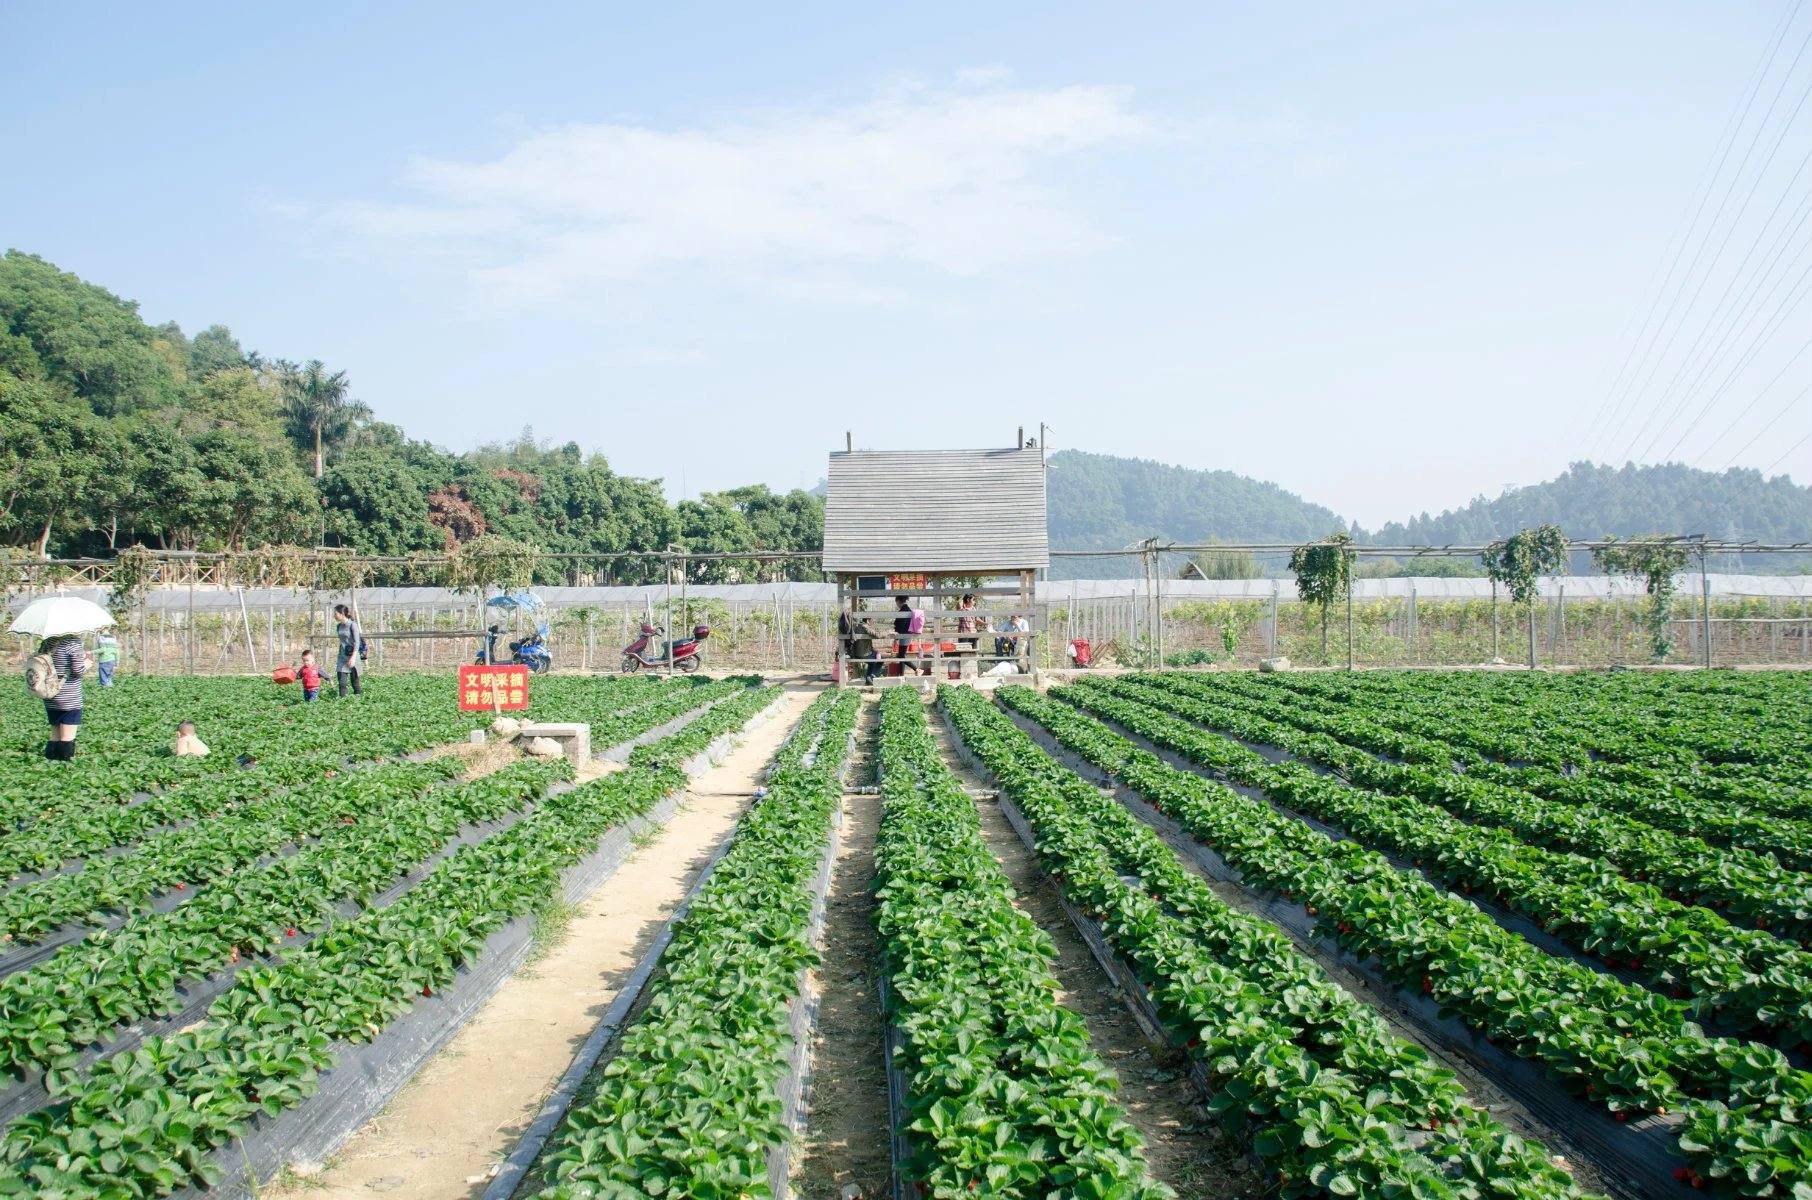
point(55, 672)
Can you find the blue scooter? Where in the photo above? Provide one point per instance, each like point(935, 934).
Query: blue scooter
point(530, 652)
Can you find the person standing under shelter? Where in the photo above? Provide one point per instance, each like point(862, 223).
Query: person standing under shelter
point(347, 665)
point(106, 657)
point(967, 622)
point(910, 621)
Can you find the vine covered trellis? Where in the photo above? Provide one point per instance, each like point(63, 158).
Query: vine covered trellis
point(1324, 573)
point(1655, 560)
point(1518, 562)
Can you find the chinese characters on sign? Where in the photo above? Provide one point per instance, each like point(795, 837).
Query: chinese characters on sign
point(906, 583)
point(484, 688)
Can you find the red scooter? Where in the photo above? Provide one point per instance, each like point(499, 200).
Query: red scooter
point(646, 651)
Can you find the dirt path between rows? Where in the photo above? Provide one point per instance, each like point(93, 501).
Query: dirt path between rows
point(444, 1133)
point(845, 1139)
point(1183, 1146)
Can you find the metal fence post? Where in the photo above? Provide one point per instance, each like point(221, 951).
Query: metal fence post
point(1704, 606)
point(189, 654)
point(1496, 649)
point(1532, 602)
point(1349, 616)
point(1271, 633)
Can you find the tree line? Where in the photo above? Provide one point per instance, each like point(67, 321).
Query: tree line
point(122, 434)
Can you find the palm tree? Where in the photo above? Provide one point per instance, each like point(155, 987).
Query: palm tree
point(316, 404)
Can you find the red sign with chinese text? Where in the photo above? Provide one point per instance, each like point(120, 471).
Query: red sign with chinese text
point(486, 688)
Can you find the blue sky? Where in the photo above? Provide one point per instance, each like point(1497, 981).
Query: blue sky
point(1388, 255)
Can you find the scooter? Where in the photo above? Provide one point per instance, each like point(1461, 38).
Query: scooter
point(530, 652)
point(647, 651)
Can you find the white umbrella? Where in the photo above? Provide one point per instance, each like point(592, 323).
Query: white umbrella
point(53, 616)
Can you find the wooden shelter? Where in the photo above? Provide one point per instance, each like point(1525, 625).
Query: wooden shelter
point(931, 527)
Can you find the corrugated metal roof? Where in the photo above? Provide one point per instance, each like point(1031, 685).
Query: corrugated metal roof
point(936, 510)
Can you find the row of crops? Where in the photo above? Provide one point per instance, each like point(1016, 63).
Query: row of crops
point(1320, 892)
point(191, 946)
point(1658, 976)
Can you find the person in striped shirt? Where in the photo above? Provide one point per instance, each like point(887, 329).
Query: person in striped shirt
point(64, 710)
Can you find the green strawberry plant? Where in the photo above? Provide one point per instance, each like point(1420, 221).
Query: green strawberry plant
point(1328, 1096)
point(689, 1105)
point(1005, 1096)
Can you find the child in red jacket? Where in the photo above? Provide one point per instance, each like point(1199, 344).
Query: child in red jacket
point(309, 677)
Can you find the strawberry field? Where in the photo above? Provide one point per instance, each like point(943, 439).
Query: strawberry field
point(1384, 934)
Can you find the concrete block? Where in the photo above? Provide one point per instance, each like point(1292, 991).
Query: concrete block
point(574, 737)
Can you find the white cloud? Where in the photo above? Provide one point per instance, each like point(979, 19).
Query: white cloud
point(802, 202)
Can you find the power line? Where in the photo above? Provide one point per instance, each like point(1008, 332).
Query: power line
point(1611, 404)
point(1698, 254)
point(1737, 311)
point(1779, 318)
point(1768, 425)
point(1750, 407)
point(1777, 254)
point(1783, 458)
point(1788, 307)
point(1786, 126)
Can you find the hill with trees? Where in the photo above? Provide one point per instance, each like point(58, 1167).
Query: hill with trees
point(1588, 500)
point(119, 433)
point(1101, 502)
point(1098, 501)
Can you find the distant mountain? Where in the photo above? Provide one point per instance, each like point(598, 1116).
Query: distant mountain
point(1101, 502)
point(1588, 501)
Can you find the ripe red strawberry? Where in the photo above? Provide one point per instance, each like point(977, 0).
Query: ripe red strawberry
point(290, 932)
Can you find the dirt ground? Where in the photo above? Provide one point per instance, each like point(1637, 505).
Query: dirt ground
point(1183, 1146)
point(444, 1133)
point(845, 1139)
